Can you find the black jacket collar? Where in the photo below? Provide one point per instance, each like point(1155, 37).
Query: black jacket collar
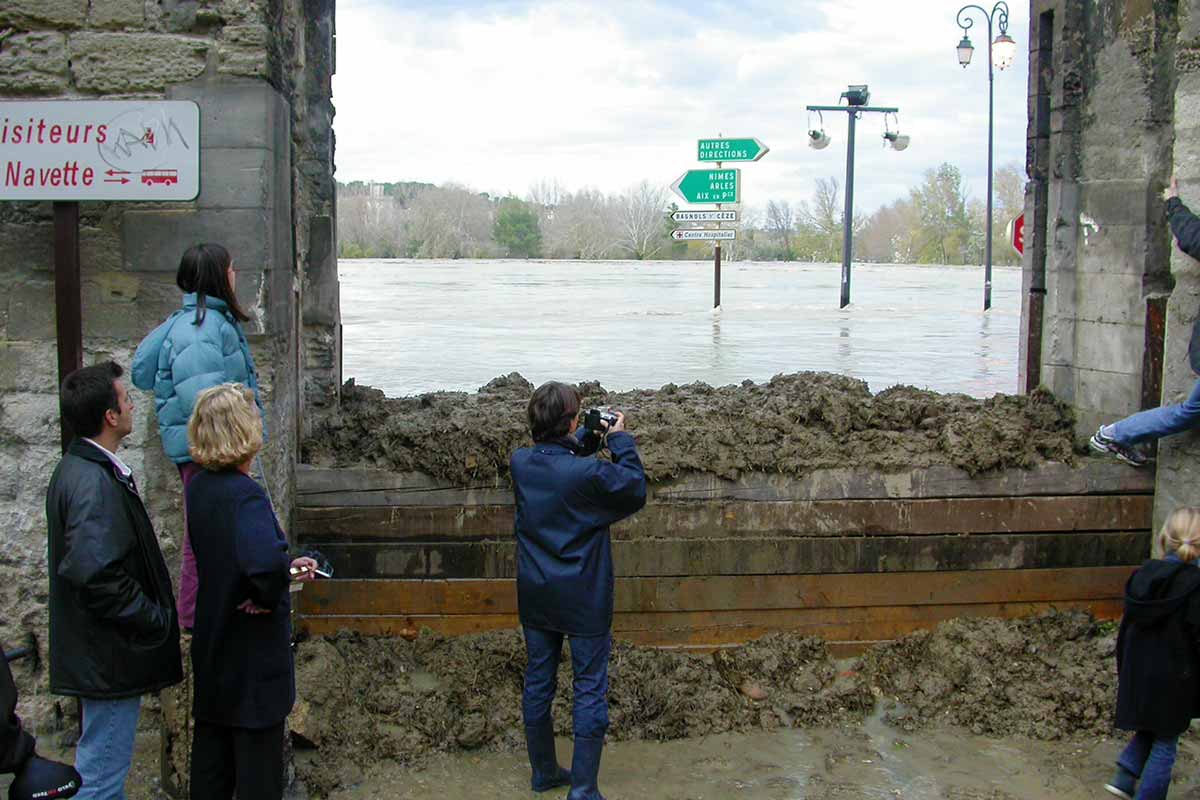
point(89, 452)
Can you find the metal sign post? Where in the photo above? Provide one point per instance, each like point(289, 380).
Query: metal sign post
point(717, 186)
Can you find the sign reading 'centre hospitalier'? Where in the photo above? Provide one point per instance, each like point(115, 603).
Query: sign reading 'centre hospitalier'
point(709, 186)
point(71, 150)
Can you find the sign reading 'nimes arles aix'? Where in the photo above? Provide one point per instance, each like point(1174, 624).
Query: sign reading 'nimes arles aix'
point(730, 149)
point(74, 150)
point(709, 186)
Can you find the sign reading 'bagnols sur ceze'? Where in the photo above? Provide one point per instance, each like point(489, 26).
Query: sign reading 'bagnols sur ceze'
point(72, 150)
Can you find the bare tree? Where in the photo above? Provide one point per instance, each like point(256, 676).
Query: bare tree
point(780, 223)
point(450, 222)
point(642, 223)
point(583, 225)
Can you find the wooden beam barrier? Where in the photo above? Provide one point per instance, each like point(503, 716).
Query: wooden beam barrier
point(727, 519)
point(371, 487)
point(716, 628)
point(362, 598)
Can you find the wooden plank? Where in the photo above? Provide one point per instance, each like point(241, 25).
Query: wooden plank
point(839, 554)
point(729, 519)
point(723, 628)
point(366, 487)
point(727, 593)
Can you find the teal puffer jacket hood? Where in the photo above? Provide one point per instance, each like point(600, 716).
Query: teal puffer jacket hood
point(179, 359)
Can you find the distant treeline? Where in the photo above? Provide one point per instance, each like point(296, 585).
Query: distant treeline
point(936, 224)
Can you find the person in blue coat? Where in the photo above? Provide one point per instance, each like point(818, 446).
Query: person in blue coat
point(241, 647)
point(199, 346)
point(565, 501)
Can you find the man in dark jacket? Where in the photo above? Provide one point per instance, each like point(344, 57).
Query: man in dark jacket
point(1122, 437)
point(565, 501)
point(113, 632)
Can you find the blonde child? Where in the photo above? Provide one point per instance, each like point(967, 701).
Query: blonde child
point(1158, 661)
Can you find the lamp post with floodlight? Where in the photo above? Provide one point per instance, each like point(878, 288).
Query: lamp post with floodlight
point(1001, 52)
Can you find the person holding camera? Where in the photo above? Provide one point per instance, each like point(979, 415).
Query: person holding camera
point(566, 499)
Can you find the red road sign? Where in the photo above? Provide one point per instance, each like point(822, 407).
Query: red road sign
point(1016, 234)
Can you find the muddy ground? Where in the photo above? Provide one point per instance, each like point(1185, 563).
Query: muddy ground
point(368, 701)
point(978, 709)
point(791, 424)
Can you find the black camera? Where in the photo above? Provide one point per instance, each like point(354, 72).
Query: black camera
point(594, 416)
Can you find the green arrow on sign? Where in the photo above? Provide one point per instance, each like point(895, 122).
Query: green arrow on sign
point(731, 150)
point(709, 186)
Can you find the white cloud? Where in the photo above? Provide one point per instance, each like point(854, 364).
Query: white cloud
point(498, 95)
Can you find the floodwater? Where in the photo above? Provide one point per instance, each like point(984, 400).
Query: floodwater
point(418, 326)
point(849, 763)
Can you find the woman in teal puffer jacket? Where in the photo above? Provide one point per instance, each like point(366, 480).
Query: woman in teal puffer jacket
point(199, 346)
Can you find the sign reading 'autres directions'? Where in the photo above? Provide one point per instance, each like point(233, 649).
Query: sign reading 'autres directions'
point(709, 186)
point(730, 150)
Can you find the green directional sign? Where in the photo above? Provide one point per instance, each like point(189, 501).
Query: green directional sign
point(709, 186)
point(731, 150)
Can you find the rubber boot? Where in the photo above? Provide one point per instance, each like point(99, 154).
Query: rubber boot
point(1123, 784)
point(585, 769)
point(547, 774)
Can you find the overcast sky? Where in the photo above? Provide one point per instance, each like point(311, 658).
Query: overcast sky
point(499, 94)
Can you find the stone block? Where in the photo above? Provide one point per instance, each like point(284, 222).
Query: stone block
point(236, 178)
point(1111, 394)
point(27, 248)
point(1118, 202)
point(1110, 347)
point(115, 63)
point(244, 62)
point(28, 366)
point(154, 240)
point(1058, 340)
point(1122, 160)
point(110, 306)
point(30, 418)
point(117, 14)
point(30, 14)
point(33, 64)
point(1111, 299)
point(31, 310)
point(1116, 251)
point(236, 113)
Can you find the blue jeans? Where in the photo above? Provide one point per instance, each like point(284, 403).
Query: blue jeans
point(105, 750)
point(1158, 422)
point(1150, 757)
point(589, 661)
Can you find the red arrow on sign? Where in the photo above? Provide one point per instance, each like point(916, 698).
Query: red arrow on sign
point(1016, 234)
point(116, 180)
point(111, 172)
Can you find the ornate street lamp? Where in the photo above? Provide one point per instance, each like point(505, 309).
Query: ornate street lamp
point(1001, 52)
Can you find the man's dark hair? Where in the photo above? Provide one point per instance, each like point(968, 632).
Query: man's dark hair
point(204, 270)
point(551, 410)
point(86, 394)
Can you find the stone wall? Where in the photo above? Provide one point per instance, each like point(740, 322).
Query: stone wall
point(1106, 311)
point(260, 72)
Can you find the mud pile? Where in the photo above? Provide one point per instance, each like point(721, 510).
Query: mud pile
point(1046, 677)
point(792, 424)
point(365, 700)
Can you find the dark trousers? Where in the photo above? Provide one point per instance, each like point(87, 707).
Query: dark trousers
point(589, 661)
point(225, 759)
point(1150, 759)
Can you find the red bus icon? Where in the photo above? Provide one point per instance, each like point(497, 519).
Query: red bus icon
point(163, 176)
